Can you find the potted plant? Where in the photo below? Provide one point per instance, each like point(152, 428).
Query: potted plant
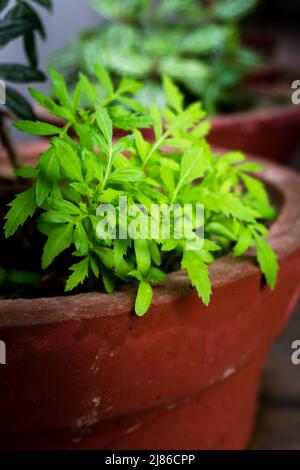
point(83, 369)
point(200, 46)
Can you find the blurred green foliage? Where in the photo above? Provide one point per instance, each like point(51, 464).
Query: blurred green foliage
point(196, 42)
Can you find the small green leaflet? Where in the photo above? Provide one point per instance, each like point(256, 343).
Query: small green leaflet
point(157, 121)
point(174, 96)
point(256, 188)
point(21, 208)
point(69, 160)
point(193, 164)
point(37, 128)
point(126, 175)
point(48, 175)
point(198, 273)
point(60, 90)
point(105, 79)
point(81, 239)
point(143, 257)
point(59, 239)
point(104, 123)
point(80, 273)
point(267, 261)
point(143, 298)
point(245, 241)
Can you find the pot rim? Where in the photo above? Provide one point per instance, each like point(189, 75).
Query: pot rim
point(284, 238)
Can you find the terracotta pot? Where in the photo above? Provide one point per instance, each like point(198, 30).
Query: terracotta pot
point(272, 133)
point(83, 372)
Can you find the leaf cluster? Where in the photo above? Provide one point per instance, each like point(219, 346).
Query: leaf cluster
point(74, 177)
point(197, 43)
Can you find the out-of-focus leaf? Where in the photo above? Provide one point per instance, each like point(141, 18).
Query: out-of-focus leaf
point(18, 104)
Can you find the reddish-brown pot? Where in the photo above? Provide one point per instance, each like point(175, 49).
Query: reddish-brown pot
point(84, 372)
point(272, 133)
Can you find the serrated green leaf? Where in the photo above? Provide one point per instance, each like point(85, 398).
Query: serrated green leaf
point(81, 239)
point(267, 260)
point(21, 208)
point(37, 128)
point(104, 79)
point(245, 241)
point(60, 90)
point(256, 188)
point(48, 176)
point(173, 94)
point(80, 273)
point(68, 159)
point(198, 274)
point(104, 123)
point(126, 175)
point(59, 240)
point(157, 121)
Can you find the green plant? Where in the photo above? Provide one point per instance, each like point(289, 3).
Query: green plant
point(73, 178)
point(197, 43)
point(19, 21)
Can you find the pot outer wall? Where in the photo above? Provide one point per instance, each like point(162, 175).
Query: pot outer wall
point(83, 372)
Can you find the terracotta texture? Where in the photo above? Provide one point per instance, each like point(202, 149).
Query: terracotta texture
point(84, 372)
point(272, 133)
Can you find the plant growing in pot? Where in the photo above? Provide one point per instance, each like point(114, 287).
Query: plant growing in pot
point(83, 370)
point(199, 45)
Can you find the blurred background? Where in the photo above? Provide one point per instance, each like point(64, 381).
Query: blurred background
point(273, 29)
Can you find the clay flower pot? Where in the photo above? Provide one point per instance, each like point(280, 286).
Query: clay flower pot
point(83, 372)
point(272, 133)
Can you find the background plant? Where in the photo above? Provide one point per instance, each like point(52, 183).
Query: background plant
point(73, 177)
point(197, 43)
point(19, 20)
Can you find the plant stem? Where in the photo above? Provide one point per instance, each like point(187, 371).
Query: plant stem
point(8, 144)
point(108, 168)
